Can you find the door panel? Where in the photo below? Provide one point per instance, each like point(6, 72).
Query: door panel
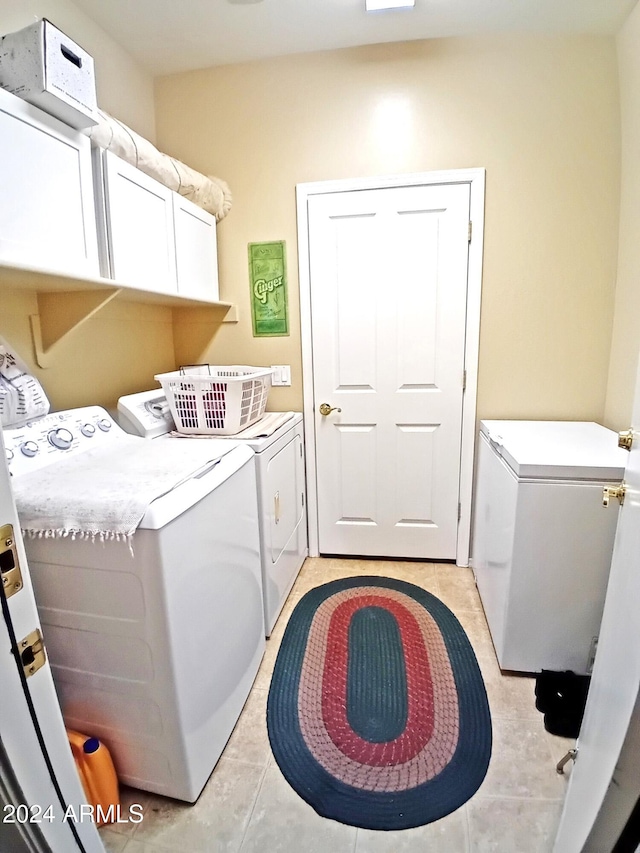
point(357, 493)
point(47, 216)
point(196, 250)
point(605, 778)
point(388, 303)
point(140, 224)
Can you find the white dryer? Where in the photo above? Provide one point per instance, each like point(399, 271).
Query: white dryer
point(154, 641)
point(281, 489)
point(280, 475)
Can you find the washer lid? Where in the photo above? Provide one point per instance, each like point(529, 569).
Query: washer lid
point(569, 450)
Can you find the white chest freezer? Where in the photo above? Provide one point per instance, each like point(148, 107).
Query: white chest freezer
point(542, 539)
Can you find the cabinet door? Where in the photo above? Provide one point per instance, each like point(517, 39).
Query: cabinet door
point(196, 250)
point(139, 220)
point(47, 215)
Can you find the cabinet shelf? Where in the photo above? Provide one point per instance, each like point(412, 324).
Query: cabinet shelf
point(67, 300)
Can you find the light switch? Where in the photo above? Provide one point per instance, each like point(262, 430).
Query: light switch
point(281, 374)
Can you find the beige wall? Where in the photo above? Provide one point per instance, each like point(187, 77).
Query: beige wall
point(626, 327)
point(119, 350)
point(540, 113)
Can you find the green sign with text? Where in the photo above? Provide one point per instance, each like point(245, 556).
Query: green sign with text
point(268, 279)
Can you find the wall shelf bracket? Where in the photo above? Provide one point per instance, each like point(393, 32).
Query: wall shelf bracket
point(60, 313)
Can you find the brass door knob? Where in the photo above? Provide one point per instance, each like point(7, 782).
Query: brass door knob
point(326, 409)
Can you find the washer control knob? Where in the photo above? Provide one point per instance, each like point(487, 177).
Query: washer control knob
point(9, 453)
point(88, 430)
point(61, 438)
point(29, 448)
point(104, 425)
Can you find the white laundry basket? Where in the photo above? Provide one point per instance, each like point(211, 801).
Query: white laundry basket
point(216, 400)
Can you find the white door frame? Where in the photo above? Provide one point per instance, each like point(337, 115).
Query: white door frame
point(476, 180)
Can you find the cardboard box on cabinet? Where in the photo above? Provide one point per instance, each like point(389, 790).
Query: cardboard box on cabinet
point(44, 67)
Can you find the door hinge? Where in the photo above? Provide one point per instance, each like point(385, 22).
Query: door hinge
point(459, 510)
point(32, 653)
point(464, 380)
point(614, 492)
point(470, 231)
point(625, 439)
point(592, 655)
point(9, 563)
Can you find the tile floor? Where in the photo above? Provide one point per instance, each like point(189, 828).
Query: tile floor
point(248, 807)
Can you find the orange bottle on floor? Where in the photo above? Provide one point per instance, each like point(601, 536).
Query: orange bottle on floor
point(97, 774)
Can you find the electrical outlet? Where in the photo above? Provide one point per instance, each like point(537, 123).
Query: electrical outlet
point(281, 374)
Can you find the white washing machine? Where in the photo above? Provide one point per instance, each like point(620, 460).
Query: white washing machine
point(154, 641)
point(542, 539)
point(280, 474)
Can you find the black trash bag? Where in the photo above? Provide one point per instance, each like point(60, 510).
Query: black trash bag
point(561, 697)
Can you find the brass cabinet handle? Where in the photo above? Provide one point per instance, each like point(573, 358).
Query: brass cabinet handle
point(326, 409)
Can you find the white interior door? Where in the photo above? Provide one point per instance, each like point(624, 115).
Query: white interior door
point(388, 273)
point(605, 777)
point(34, 742)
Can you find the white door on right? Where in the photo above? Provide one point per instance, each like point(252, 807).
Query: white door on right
point(612, 714)
point(388, 271)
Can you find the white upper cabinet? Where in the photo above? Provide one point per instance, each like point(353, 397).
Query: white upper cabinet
point(47, 214)
point(150, 236)
point(83, 219)
point(138, 220)
point(196, 250)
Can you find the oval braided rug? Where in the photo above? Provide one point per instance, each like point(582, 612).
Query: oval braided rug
point(377, 712)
